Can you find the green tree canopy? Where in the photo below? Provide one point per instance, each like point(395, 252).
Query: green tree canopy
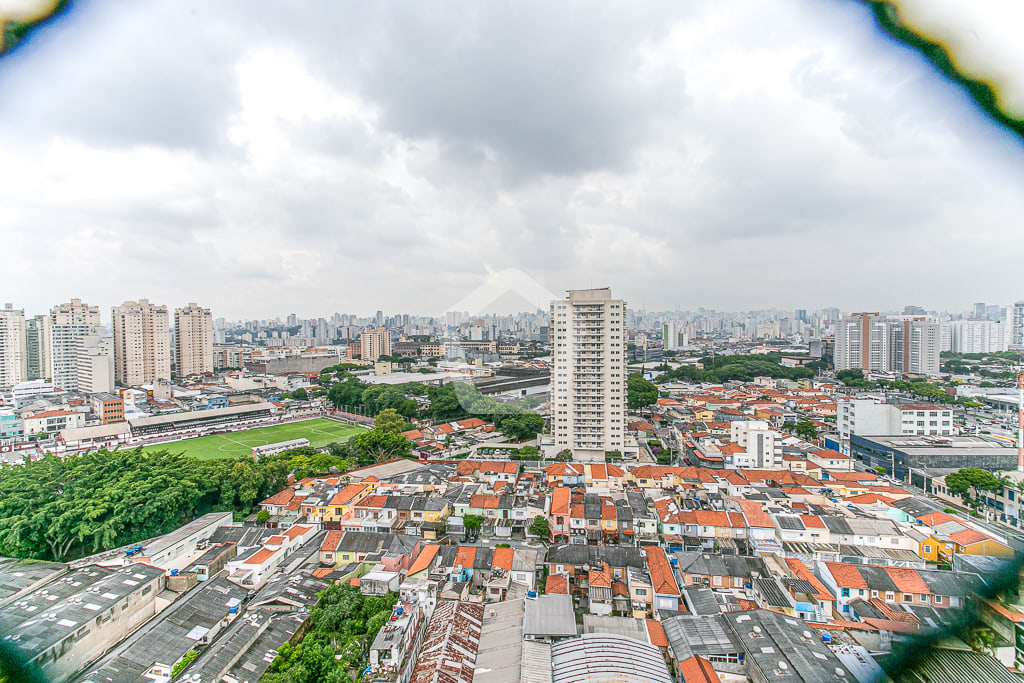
point(640, 392)
point(540, 527)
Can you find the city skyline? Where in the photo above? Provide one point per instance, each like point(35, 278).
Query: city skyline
point(435, 149)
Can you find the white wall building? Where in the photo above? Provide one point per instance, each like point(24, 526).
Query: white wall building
point(975, 336)
point(68, 323)
point(872, 417)
point(588, 385)
point(762, 445)
point(13, 351)
point(1017, 326)
point(95, 364)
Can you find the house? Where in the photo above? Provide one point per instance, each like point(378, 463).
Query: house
point(666, 591)
point(894, 585)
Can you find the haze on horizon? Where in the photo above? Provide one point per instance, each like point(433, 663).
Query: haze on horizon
point(261, 161)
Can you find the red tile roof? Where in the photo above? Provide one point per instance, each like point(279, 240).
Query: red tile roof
point(423, 560)
point(332, 541)
point(503, 558)
point(801, 571)
point(656, 633)
point(696, 669)
point(661, 572)
point(557, 583)
point(970, 536)
point(846, 575)
point(465, 556)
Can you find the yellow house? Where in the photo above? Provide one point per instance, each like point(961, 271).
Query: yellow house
point(702, 414)
point(342, 502)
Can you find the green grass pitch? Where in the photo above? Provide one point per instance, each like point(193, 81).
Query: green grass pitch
point(319, 431)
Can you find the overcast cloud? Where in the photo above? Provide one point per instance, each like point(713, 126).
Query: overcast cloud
point(735, 155)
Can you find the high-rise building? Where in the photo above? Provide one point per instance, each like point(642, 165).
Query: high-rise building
point(374, 343)
point(13, 351)
point(1017, 326)
point(974, 336)
point(761, 444)
point(95, 364)
point(588, 385)
point(68, 323)
point(141, 343)
point(979, 311)
point(913, 345)
point(902, 344)
point(37, 343)
point(861, 342)
point(193, 341)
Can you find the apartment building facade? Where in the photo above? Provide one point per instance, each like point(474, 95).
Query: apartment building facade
point(68, 324)
point(374, 343)
point(193, 341)
point(588, 385)
point(95, 364)
point(141, 342)
point(13, 352)
point(37, 346)
point(901, 344)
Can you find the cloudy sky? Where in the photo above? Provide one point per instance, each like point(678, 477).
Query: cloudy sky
point(728, 154)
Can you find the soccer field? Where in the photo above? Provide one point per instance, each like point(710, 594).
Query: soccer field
point(319, 431)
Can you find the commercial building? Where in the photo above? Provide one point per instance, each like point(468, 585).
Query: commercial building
point(37, 345)
point(95, 364)
point(900, 454)
point(71, 620)
point(141, 343)
point(193, 341)
point(68, 323)
point(374, 343)
point(109, 408)
point(588, 386)
point(872, 417)
point(13, 352)
point(902, 344)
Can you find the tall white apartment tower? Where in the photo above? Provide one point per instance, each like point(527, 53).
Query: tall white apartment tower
point(142, 343)
point(193, 341)
point(588, 386)
point(1017, 326)
point(374, 343)
point(13, 351)
point(69, 323)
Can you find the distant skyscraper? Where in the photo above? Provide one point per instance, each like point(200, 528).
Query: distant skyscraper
point(68, 323)
point(588, 385)
point(141, 343)
point(13, 351)
point(979, 311)
point(801, 314)
point(974, 336)
point(379, 318)
point(193, 341)
point(37, 340)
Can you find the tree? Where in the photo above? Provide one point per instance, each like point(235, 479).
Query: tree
point(540, 527)
point(300, 394)
point(389, 420)
point(640, 392)
point(806, 430)
point(519, 426)
point(564, 455)
point(962, 481)
point(472, 522)
point(347, 393)
point(262, 517)
point(881, 471)
point(378, 445)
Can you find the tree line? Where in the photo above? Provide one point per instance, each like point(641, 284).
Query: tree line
point(64, 508)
